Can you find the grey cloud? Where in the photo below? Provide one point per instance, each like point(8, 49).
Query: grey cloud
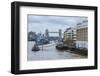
point(60, 20)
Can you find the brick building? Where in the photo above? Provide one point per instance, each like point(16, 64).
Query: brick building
point(82, 35)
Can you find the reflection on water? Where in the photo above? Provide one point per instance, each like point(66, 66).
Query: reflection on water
point(49, 53)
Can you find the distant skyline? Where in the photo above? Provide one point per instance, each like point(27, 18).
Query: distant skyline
point(38, 23)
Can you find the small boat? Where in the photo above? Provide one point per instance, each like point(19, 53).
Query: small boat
point(35, 48)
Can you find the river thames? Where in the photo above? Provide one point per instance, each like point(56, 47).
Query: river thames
point(49, 52)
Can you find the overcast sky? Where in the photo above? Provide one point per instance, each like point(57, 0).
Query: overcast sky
point(52, 23)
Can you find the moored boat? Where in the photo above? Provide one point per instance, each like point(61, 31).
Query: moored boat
point(35, 48)
point(61, 46)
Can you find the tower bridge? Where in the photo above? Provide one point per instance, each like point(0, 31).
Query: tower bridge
point(59, 32)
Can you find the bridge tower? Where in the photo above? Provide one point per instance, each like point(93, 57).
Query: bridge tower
point(47, 33)
point(60, 33)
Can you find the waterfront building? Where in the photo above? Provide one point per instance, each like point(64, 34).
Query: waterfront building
point(31, 36)
point(82, 35)
point(70, 36)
